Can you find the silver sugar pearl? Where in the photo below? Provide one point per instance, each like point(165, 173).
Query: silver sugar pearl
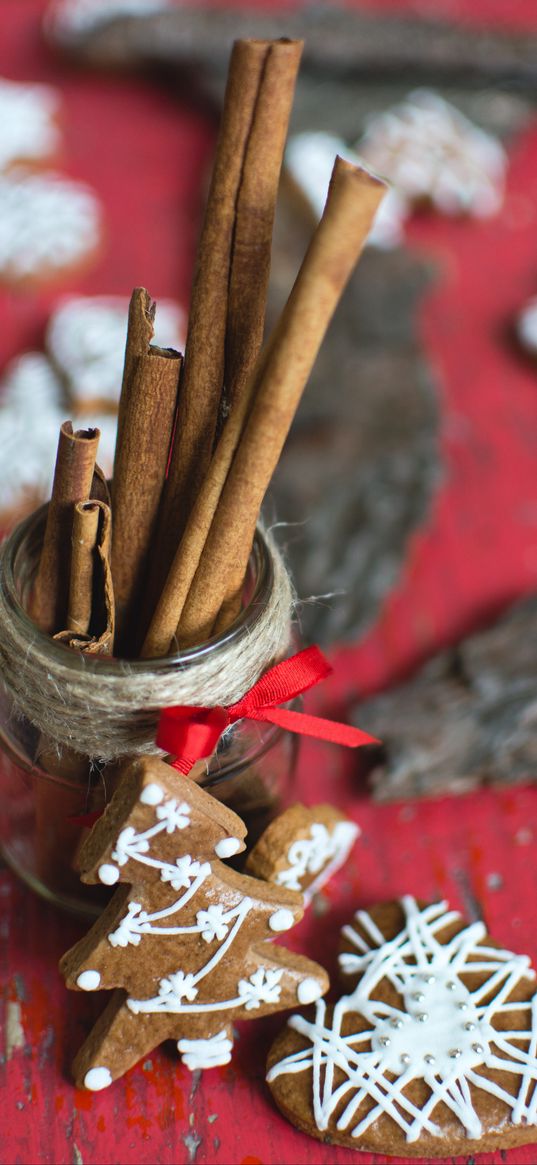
point(418, 996)
point(429, 1058)
point(405, 1058)
point(451, 986)
point(396, 1022)
point(385, 1041)
point(423, 1016)
point(462, 1006)
point(478, 1048)
point(469, 1027)
point(455, 1053)
point(430, 978)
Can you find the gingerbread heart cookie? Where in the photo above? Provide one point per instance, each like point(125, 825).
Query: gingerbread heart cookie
point(303, 847)
point(433, 1051)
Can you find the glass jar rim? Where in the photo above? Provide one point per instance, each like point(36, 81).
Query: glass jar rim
point(28, 534)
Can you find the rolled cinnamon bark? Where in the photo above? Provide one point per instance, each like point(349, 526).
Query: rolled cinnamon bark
point(73, 476)
point(147, 414)
point(229, 293)
point(91, 615)
point(353, 198)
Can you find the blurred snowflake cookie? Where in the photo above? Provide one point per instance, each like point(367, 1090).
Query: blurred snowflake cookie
point(85, 340)
point(29, 129)
point(32, 408)
point(433, 1051)
point(65, 20)
point(433, 153)
point(49, 225)
point(309, 159)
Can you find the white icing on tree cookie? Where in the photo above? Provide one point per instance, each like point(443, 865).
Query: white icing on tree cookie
point(48, 223)
point(432, 152)
point(309, 159)
point(28, 128)
point(86, 340)
point(215, 960)
point(443, 1033)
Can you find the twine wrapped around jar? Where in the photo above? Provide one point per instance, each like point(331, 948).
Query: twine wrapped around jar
point(108, 708)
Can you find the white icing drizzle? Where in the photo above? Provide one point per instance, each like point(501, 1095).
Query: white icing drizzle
point(444, 1032)
point(281, 920)
point(28, 129)
point(227, 847)
point(97, 1079)
point(430, 150)
point(322, 853)
point(86, 340)
point(108, 874)
point(211, 1053)
point(309, 159)
point(89, 980)
point(47, 223)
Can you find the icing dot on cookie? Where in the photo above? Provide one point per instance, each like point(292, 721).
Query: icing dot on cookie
point(88, 980)
point(308, 991)
point(152, 795)
point(108, 874)
point(227, 847)
point(97, 1078)
point(281, 920)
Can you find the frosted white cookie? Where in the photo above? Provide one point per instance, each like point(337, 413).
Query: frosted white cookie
point(28, 127)
point(432, 152)
point(527, 327)
point(86, 337)
point(48, 224)
point(65, 20)
point(309, 160)
point(31, 412)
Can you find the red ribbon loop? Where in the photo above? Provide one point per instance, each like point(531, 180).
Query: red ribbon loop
point(191, 733)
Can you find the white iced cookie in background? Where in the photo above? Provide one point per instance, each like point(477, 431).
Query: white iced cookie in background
point(85, 339)
point(65, 20)
point(29, 130)
point(49, 224)
point(309, 159)
point(526, 327)
point(32, 408)
point(433, 153)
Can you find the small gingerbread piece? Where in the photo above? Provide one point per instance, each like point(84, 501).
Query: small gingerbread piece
point(432, 1052)
point(184, 941)
point(302, 848)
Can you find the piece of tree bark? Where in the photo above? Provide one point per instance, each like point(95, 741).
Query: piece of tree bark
point(468, 718)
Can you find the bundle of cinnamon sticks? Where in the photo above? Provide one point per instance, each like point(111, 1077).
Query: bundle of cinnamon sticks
point(161, 565)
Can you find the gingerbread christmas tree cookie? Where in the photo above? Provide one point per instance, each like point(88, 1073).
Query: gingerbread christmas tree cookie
point(184, 940)
point(432, 1052)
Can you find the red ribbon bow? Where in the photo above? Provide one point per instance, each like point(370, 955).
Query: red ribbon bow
point(190, 733)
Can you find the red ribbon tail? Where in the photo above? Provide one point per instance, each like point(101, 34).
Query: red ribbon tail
point(330, 730)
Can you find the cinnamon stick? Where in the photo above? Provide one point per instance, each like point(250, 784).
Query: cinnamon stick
point(73, 475)
point(147, 413)
point(229, 291)
point(353, 198)
point(90, 616)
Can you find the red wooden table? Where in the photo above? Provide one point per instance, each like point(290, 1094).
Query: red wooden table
point(477, 551)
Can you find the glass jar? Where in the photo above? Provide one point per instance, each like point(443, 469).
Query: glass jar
point(47, 802)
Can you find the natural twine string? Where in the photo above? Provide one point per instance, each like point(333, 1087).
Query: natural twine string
point(109, 709)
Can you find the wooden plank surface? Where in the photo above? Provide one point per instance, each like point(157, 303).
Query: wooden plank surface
point(477, 551)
